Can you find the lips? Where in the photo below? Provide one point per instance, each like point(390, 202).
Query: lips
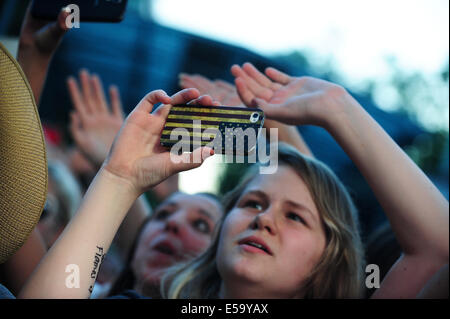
point(255, 244)
point(165, 248)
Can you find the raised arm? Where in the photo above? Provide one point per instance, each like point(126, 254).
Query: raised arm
point(94, 124)
point(135, 163)
point(37, 44)
point(417, 211)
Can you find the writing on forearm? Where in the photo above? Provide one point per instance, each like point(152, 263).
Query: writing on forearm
point(98, 259)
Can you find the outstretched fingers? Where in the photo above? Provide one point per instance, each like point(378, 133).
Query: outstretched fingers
point(256, 75)
point(98, 94)
point(87, 91)
point(77, 98)
point(245, 94)
point(199, 82)
point(252, 84)
point(278, 76)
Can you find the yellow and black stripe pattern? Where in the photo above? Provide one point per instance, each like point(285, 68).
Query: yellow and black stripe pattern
point(201, 124)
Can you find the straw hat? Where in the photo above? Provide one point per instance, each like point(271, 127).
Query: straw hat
point(23, 163)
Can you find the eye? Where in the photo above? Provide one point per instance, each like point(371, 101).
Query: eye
point(296, 217)
point(201, 225)
point(252, 204)
point(162, 214)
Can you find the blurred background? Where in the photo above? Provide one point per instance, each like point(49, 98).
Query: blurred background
point(393, 56)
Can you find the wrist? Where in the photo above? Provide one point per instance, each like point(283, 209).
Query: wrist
point(119, 184)
point(342, 107)
point(29, 52)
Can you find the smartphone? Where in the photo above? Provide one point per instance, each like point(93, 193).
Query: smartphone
point(229, 130)
point(90, 10)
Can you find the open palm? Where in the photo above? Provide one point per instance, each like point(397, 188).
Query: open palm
point(94, 124)
point(291, 100)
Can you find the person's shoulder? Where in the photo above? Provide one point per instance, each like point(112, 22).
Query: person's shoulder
point(129, 294)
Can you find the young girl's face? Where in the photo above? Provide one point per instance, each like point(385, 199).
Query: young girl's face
point(181, 228)
point(271, 239)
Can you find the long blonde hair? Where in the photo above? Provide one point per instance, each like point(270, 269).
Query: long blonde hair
point(339, 272)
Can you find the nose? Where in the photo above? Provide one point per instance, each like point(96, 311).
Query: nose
point(174, 223)
point(265, 221)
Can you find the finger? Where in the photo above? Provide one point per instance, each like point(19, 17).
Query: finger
point(223, 91)
point(116, 103)
point(278, 76)
point(87, 91)
point(195, 81)
point(75, 127)
point(185, 80)
point(75, 120)
point(76, 97)
point(152, 98)
point(204, 100)
point(257, 89)
point(256, 75)
point(274, 111)
point(203, 82)
point(161, 112)
point(98, 94)
point(244, 93)
point(228, 90)
point(31, 24)
point(187, 161)
point(188, 84)
point(185, 96)
point(48, 37)
point(231, 97)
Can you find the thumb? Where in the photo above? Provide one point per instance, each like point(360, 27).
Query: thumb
point(263, 105)
point(278, 112)
point(187, 161)
point(48, 37)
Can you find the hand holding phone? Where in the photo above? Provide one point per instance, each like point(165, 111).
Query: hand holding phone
point(37, 43)
point(229, 130)
point(90, 10)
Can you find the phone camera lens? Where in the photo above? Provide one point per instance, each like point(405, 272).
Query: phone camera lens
point(254, 117)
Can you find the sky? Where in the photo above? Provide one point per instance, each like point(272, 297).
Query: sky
point(358, 35)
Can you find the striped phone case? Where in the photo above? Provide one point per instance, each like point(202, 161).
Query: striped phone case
point(229, 130)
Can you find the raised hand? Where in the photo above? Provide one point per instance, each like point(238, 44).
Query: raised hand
point(221, 91)
point(37, 43)
point(94, 124)
point(137, 155)
point(291, 100)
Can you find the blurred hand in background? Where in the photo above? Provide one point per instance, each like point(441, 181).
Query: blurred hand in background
point(94, 123)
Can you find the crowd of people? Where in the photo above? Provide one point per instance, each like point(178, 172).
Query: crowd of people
point(290, 234)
